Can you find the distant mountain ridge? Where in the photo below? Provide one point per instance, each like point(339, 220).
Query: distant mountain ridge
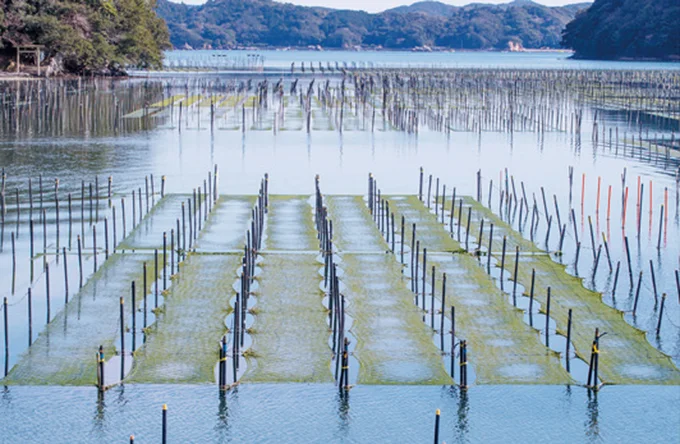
point(426, 7)
point(226, 24)
point(446, 10)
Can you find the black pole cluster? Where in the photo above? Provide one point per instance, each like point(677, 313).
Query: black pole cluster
point(336, 301)
point(251, 248)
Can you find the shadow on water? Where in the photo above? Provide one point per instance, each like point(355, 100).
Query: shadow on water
point(593, 414)
point(462, 410)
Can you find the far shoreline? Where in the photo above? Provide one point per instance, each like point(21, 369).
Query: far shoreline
point(132, 72)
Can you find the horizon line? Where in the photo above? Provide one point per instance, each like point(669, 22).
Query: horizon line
point(406, 4)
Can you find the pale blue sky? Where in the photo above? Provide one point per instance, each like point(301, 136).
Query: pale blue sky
point(381, 5)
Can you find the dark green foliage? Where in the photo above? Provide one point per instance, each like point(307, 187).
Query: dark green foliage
point(88, 36)
point(233, 23)
point(615, 29)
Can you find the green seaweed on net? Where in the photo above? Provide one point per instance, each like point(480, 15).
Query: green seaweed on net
point(167, 102)
point(148, 234)
point(64, 353)
point(500, 228)
point(626, 356)
point(502, 348)
point(231, 101)
point(393, 346)
point(290, 224)
point(353, 226)
point(429, 231)
point(629, 358)
point(290, 333)
point(226, 227)
point(191, 100)
point(182, 346)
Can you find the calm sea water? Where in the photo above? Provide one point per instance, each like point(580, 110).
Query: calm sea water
point(283, 59)
point(315, 413)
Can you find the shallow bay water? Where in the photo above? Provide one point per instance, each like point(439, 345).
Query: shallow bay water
point(315, 412)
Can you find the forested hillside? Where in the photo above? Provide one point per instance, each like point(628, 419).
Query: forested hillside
point(615, 29)
point(237, 23)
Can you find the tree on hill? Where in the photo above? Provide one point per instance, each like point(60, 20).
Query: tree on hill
point(92, 36)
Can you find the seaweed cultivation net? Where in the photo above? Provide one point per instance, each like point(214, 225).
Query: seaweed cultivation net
point(503, 349)
point(626, 355)
point(149, 233)
point(182, 346)
point(393, 345)
point(290, 335)
point(64, 354)
point(226, 226)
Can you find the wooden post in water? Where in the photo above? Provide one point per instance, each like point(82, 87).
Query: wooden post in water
point(134, 316)
point(566, 354)
point(436, 427)
point(661, 216)
point(14, 262)
point(505, 240)
point(6, 316)
point(31, 230)
point(403, 222)
point(514, 277)
point(443, 311)
point(467, 228)
point(480, 239)
point(453, 341)
point(47, 289)
point(651, 269)
point(488, 253)
point(164, 434)
point(165, 260)
point(144, 292)
point(547, 320)
point(101, 381)
point(414, 277)
point(460, 217)
point(432, 310)
point(593, 366)
point(65, 275)
point(637, 294)
point(658, 325)
point(94, 247)
point(597, 260)
point(531, 297)
point(122, 339)
point(155, 277)
point(122, 213)
point(30, 318)
point(172, 251)
point(134, 210)
point(606, 250)
point(424, 276)
point(630, 267)
point(80, 261)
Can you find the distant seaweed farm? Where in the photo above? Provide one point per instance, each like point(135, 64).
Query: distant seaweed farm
point(347, 255)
